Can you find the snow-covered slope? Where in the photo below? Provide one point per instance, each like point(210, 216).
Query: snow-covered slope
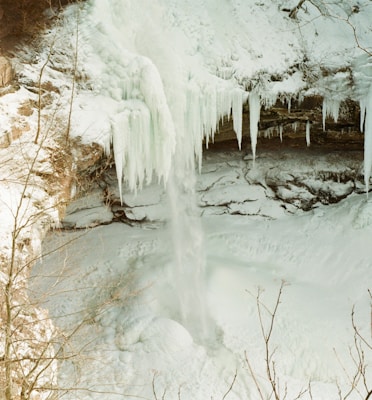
point(121, 286)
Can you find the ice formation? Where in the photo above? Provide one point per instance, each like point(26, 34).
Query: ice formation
point(254, 119)
point(331, 107)
point(144, 127)
point(308, 133)
point(158, 107)
point(237, 111)
point(173, 74)
point(368, 138)
point(143, 133)
point(281, 132)
point(205, 108)
point(363, 107)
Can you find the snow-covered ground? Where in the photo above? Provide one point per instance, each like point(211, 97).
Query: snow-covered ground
point(121, 281)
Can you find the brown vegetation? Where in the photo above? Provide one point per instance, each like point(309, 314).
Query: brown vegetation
point(26, 17)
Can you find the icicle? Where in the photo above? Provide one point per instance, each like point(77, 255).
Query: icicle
point(308, 133)
point(330, 108)
point(237, 111)
point(211, 118)
point(268, 132)
point(254, 119)
point(133, 145)
point(289, 105)
point(120, 122)
point(368, 139)
point(193, 122)
point(281, 133)
point(363, 106)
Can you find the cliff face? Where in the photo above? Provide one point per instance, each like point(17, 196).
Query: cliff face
point(36, 177)
point(26, 17)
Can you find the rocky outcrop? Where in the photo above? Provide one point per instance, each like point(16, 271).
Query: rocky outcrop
point(280, 182)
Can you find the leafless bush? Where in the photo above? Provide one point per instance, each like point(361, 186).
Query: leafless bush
point(357, 381)
point(359, 378)
point(267, 318)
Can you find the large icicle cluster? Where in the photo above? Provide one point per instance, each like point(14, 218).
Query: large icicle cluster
point(144, 128)
point(171, 73)
point(159, 65)
point(143, 132)
point(205, 108)
point(331, 108)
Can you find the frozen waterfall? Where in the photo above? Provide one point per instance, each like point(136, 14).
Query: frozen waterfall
point(162, 110)
point(164, 80)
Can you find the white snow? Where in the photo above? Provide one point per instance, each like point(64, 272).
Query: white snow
point(157, 78)
point(140, 330)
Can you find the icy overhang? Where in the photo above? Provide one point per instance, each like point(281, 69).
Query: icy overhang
point(170, 70)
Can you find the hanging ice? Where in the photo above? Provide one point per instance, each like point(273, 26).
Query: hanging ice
point(363, 106)
point(368, 139)
point(143, 133)
point(308, 133)
point(254, 119)
point(331, 108)
point(205, 106)
point(281, 133)
point(237, 112)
